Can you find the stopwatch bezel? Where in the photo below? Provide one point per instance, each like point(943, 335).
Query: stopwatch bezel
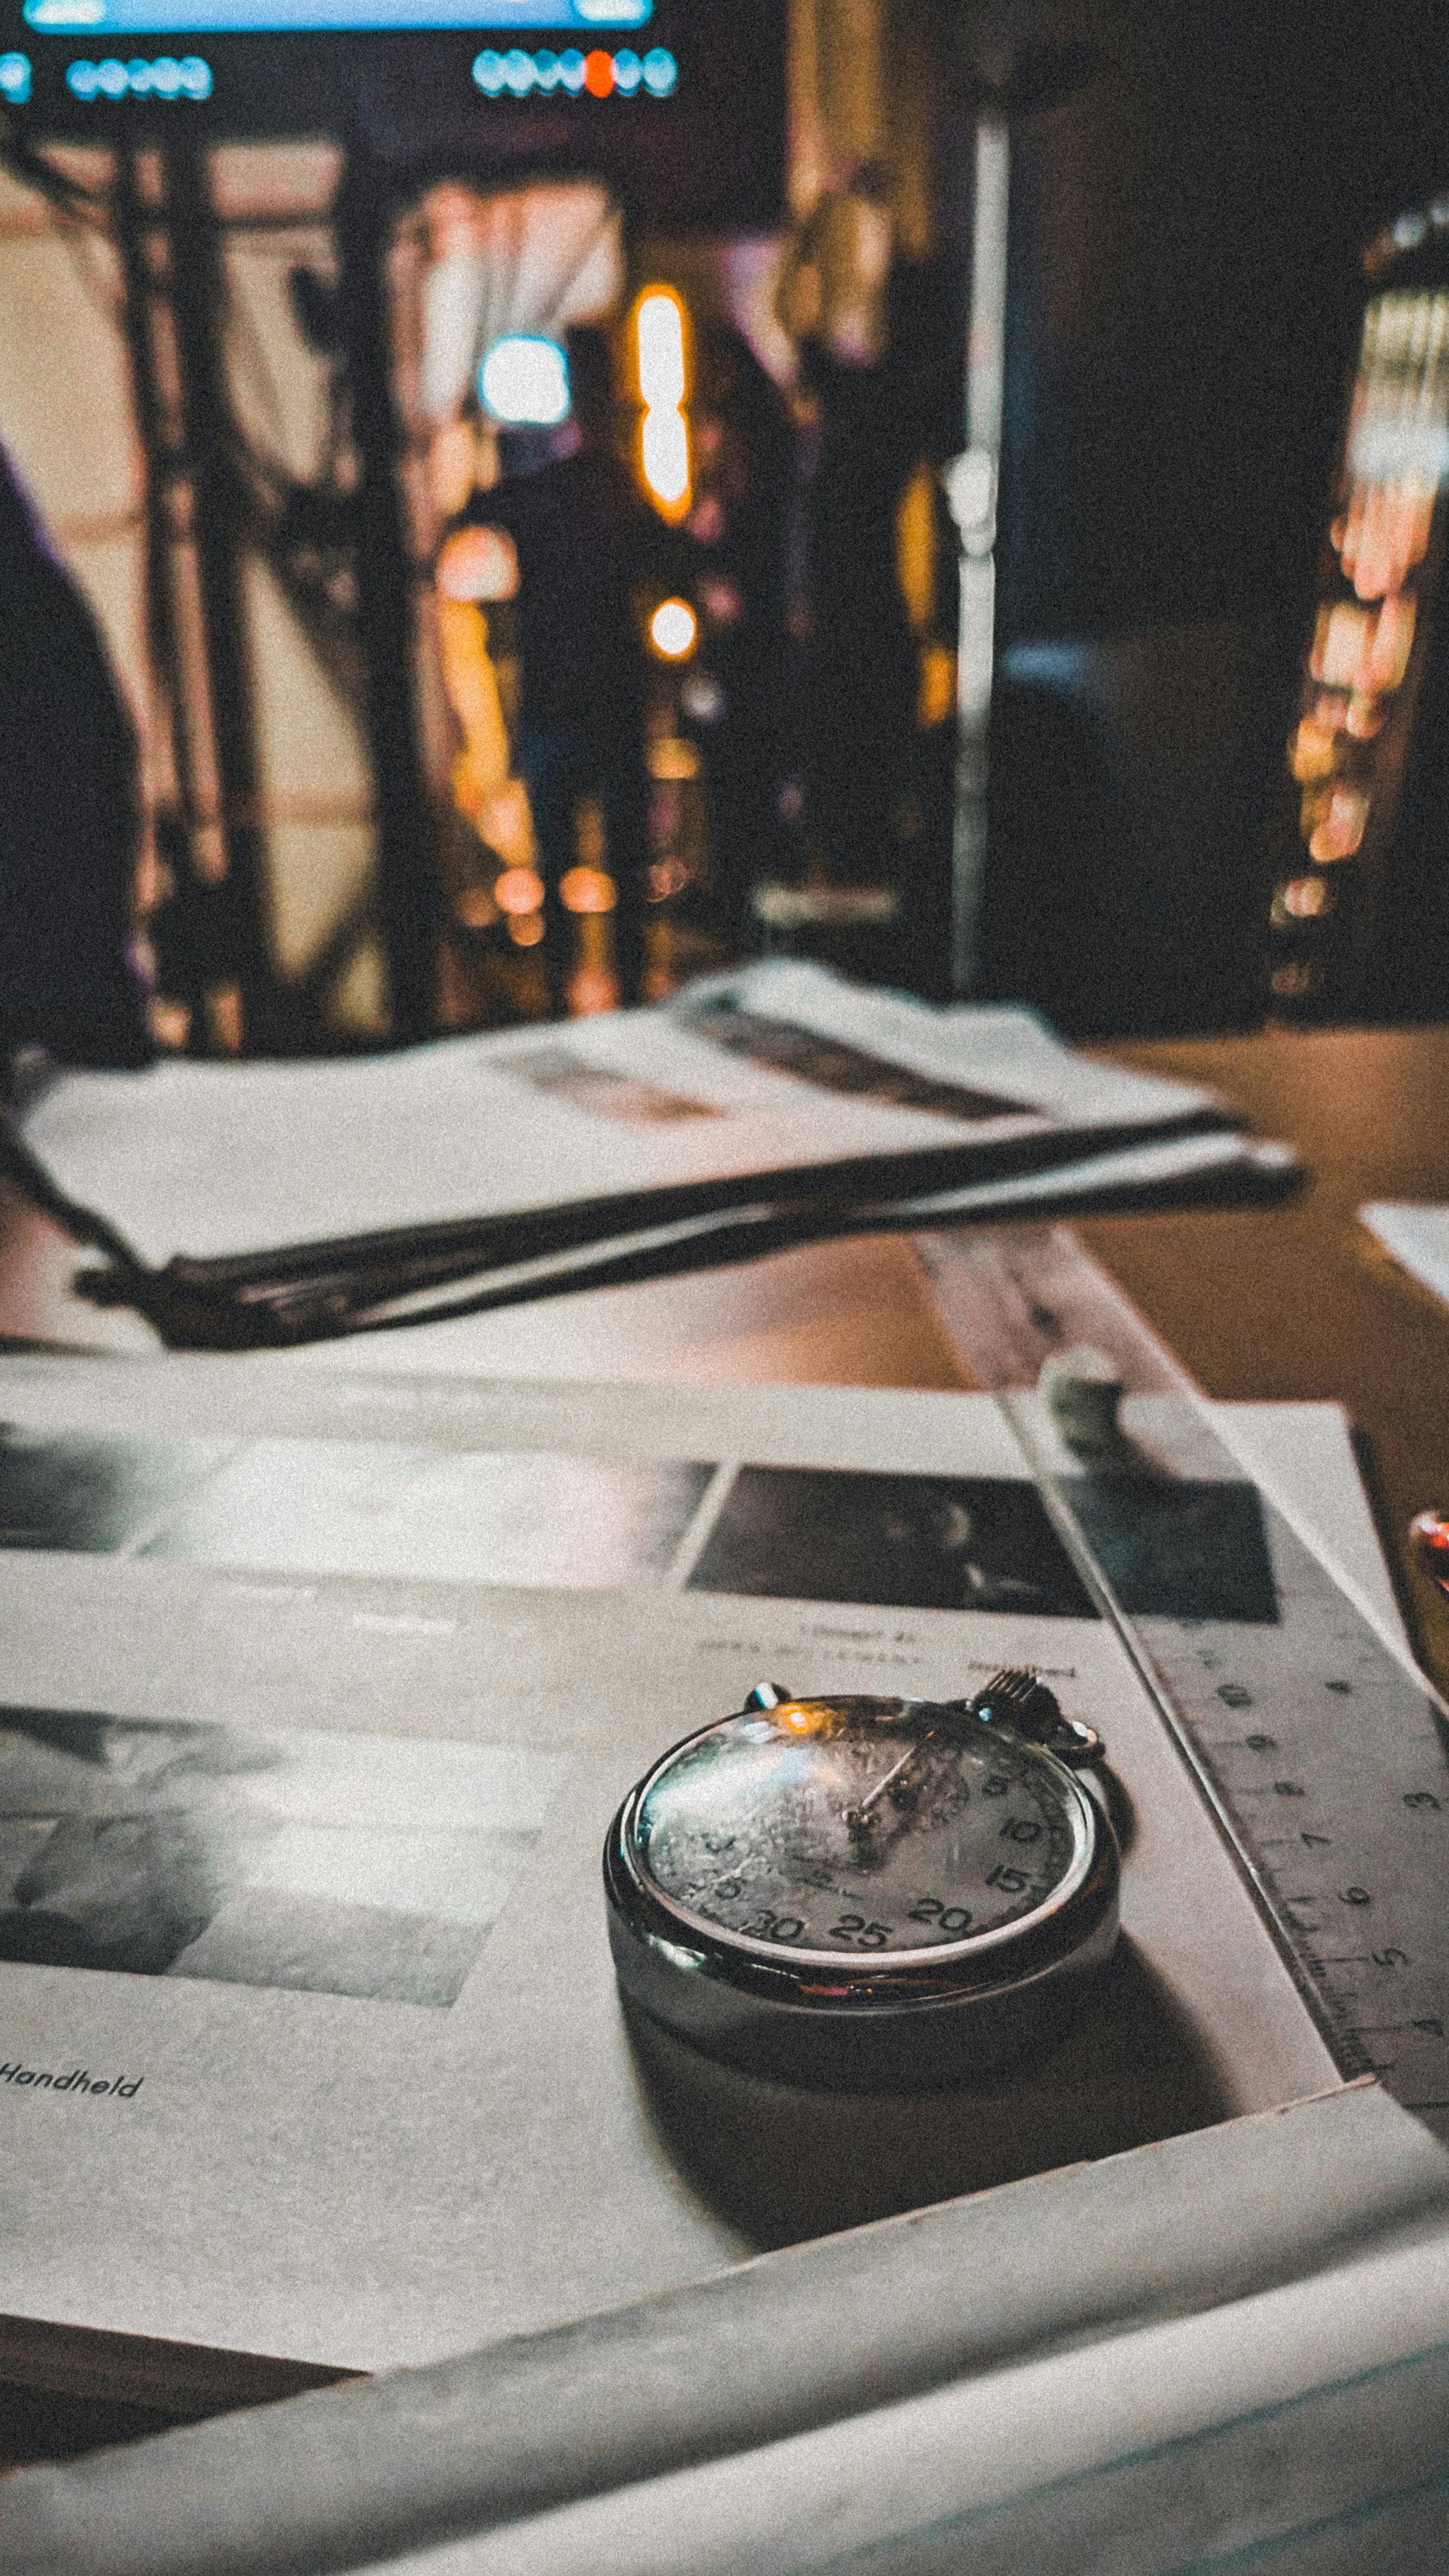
point(845, 2021)
point(933, 1964)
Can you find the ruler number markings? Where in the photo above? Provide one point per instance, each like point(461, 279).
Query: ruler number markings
point(1364, 1817)
point(1335, 1804)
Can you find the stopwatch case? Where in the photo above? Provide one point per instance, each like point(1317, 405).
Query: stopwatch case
point(897, 2030)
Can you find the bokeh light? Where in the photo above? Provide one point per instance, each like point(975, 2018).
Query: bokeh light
point(475, 908)
point(673, 630)
point(659, 339)
point(518, 891)
point(588, 890)
point(524, 382)
point(478, 564)
point(662, 361)
point(664, 453)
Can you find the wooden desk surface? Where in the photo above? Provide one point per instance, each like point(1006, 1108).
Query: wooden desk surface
point(1296, 1301)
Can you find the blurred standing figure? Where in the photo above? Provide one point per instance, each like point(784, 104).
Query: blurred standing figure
point(738, 702)
point(581, 543)
point(70, 818)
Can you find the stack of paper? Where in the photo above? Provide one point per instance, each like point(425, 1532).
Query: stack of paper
point(1224, 2354)
point(244, 1206)
point(318, 1692)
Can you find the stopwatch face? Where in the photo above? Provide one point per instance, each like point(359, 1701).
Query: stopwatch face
point(861, 1827)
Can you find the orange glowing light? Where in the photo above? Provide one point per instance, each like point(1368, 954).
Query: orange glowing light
point(660, 352)
point(661, 357)
point(1365, 717)
point(1337, 824)
point(475, 907)
point(664, 454)
point(598, 74)
point(936, 688)
point(674, 630)
point(1306, 898)
point(588, 890)
point(169, 1022)
point(592, 989)
point(525, 929)
point(1313, 752)
point(1340, 644)
point(1388, 654)
point(518, 891)
point(478, 564)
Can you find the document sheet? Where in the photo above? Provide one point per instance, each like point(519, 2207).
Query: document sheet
point(1225, 2352)
point(779, 1070)
point(1415, 1234)
point(319, 1692)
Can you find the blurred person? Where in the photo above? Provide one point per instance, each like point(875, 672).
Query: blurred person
point(739, 702)
point(70, 814)
point(577, 543)
point(878, 392)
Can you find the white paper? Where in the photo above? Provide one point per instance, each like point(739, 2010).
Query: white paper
point(1177, 2357)
point(212, 1159)
point(1309, 2415)
point(1304, 1455)
point(503, 2134)
point(1416, 1235)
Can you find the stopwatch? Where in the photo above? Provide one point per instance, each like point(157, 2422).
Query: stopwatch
point(867, 1894)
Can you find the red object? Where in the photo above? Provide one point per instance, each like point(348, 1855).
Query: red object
point(598, 74)
point(1429, 1532)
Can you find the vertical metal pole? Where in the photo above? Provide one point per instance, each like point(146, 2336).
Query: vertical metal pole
point(971, 482)
point(140, 244)
point(198, 306)
point(386, 610)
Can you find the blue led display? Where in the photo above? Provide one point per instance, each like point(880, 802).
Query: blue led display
point(165, 78)
point(303, 17)
point(520, 75)
point(14, 79)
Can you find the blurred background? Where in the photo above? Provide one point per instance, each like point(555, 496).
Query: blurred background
point(575, 496)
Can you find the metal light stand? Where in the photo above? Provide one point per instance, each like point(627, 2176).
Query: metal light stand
point(408, 895)
point(1003, 78)
point(169, 242)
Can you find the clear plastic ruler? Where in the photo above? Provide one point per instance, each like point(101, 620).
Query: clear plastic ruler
point(1321, 1750)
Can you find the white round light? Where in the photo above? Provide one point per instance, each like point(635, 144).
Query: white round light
point(664, 454)
point(673, 629)
point(659, 328)
point(524, 382)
